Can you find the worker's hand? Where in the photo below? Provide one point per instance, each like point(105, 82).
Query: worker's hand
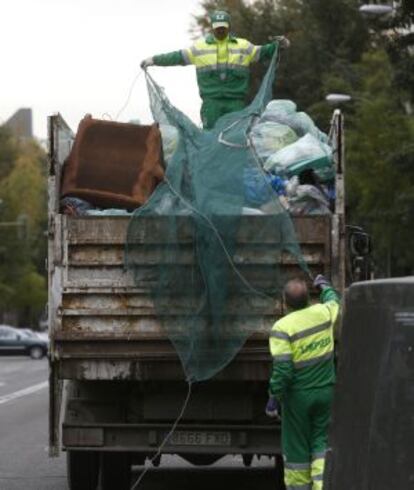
point(146, 63)
point(283, 41)
point(272, 408)
point(321, 282)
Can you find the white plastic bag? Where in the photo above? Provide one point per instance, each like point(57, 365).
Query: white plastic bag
point(284, 112)
point(169, 137)
point(269, 137)
point(308, 199)
point(306, 152)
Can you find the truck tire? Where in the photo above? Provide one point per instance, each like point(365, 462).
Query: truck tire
point(279, 472)
point(115, 471)
point(82, 470)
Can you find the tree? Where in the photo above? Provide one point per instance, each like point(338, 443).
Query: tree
point(23, 221)
point(8, 152)
point(380, 177)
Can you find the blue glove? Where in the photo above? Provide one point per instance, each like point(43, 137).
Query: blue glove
point(321, 282)
point(272, 408)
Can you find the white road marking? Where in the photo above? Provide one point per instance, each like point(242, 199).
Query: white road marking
point(24, 392)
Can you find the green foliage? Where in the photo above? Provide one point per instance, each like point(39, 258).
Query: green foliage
point(31, 296)
point(380, 183)
point(23, 221)
point(8, 152)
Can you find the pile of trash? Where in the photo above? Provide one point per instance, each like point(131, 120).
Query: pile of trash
point(293, 155)
point(296, 158)
point(294, 161)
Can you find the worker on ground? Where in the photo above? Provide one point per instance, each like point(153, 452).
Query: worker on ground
point(301, 384)
point(222, 62)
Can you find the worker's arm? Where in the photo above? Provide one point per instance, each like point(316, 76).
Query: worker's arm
point(170, 59)
point(282, 370)
point(267, 50)
point(328, 296)
point(331, 299)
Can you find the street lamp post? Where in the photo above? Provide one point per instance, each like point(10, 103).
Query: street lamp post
point(337, 99)
point(376, 9)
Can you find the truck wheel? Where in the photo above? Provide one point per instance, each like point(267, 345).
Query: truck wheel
point(279, 472)
point(115, 471)
point(82, 470)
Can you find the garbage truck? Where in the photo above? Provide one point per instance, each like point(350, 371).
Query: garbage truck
point(116, 383)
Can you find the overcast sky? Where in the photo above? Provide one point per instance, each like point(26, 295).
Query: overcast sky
point(81, 56)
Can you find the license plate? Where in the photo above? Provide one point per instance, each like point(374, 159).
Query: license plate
point(200, 438)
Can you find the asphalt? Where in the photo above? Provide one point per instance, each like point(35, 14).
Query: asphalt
point(24, 460)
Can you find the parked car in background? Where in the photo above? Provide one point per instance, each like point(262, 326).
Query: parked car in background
point(14, 341)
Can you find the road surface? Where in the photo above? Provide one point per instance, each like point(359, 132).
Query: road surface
point(24, 460)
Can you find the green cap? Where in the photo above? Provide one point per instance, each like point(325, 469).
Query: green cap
point(220, 18)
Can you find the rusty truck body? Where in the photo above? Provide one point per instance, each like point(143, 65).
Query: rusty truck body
point(116, 384)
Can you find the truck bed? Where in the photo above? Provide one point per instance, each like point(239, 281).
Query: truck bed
point(103, 316)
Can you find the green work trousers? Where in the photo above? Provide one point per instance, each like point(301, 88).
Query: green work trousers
point(305, 421)
point(213, 109)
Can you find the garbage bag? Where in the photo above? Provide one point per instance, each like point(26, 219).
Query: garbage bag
point(74, 206)
point(310, 200)
point(269, 137)
point(285, 112)
point(306, 152)
point(257, 187)
point(169, 138)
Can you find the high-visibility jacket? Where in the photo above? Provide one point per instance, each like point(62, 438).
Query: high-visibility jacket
point(222, 66)
point(302, 347)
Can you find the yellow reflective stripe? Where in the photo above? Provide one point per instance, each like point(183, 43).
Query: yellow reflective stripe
point(297, 477)
point(318, 466)
point(317, 469)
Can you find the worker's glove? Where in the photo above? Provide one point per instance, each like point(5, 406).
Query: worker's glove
point(272, 408)
point(146, 63)
point(283, 41)
point(321, 282)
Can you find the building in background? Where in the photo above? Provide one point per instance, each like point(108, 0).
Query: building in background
point(21, 123)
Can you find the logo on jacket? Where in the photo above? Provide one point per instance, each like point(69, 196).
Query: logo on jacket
point(320, 344)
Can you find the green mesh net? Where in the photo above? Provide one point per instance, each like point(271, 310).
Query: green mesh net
point(213, 258)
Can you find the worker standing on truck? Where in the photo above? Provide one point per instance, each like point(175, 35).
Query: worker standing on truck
point(222, 62)
point(301, 384)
